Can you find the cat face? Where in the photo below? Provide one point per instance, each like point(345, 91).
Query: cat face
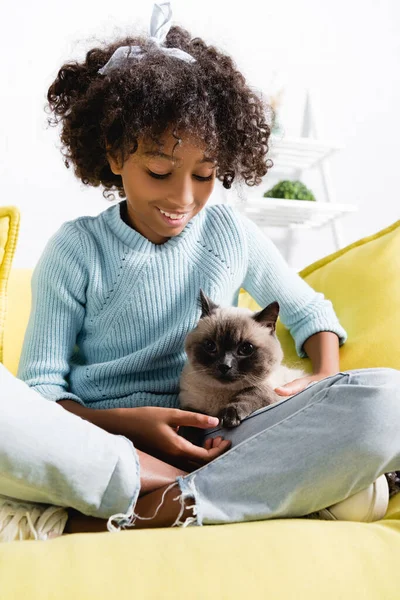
point(234, 344)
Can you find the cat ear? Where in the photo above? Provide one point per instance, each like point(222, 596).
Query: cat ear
point(207, 305)
point(268, 315)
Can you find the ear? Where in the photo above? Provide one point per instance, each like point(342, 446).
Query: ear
point(268, 316)
point(207, 305)
point(114, 164)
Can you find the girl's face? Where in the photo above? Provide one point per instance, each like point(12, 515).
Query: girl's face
point(156, 183)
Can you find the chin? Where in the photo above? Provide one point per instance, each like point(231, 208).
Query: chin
point(174, 232)
point(171, 231)
point(225, 381)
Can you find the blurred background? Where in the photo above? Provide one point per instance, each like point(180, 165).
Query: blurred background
point(344, 55)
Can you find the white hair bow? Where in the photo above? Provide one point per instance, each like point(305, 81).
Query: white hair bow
point(160, 24)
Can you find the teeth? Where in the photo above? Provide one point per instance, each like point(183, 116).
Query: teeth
point(172, 216)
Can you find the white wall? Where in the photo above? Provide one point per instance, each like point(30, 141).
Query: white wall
point(348, 52)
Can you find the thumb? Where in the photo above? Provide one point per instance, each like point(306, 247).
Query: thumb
point(192, 419)
point(289, 388)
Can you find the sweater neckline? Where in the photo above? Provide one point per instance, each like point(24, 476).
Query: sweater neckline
point(138, 242)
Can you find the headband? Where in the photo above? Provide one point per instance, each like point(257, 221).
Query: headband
point(160, 24)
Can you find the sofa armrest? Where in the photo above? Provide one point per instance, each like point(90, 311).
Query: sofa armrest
point(17, 315)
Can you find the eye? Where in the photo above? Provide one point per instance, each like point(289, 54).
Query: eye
point(245, 349)
point(157, 176)
point(203, 178)
point(210, 346)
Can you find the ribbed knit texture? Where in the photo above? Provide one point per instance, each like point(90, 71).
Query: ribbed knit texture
point(111, 310)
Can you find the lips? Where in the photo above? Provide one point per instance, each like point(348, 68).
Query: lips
point(171, 214)
point(173, 219)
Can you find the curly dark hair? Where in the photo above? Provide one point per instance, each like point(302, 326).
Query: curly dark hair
point(109, 113)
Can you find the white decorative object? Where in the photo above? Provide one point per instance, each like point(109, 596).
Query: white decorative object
point(291, 157)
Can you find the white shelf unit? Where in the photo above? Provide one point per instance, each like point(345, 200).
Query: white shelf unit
point(275, 212)
point(291, 157)
point(298, 154)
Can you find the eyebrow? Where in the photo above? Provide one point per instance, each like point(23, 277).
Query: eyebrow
point(159, 154)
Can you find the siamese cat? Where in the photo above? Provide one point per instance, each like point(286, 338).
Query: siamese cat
point(234, 362)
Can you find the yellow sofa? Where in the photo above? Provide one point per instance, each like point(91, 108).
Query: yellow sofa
point(279, 559)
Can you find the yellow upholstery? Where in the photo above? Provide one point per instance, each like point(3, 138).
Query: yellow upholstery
point(19, 305)
point(291, 559)
point(363, 283)
point(9, 224)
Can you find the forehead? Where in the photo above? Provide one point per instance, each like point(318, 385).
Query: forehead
point(230, 330)
point(172, 151)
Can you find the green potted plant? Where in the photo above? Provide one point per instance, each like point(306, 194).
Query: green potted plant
point(290, 190)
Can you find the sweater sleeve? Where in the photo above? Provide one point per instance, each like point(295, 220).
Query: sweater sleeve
point(302, 310)
point(59, 284)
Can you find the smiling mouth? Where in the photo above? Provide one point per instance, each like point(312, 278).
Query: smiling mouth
point(173, 216)
point(174, 219)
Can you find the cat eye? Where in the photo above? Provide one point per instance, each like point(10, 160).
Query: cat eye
point(210, 346)
point(245, 349)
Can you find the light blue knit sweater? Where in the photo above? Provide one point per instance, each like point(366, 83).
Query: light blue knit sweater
point(110, 309)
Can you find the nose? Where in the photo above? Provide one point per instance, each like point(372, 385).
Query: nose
point(224, 368)
point(181, 197)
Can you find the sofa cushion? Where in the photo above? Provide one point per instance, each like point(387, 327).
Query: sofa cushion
point(363, 283)
point(9, 225)
point(285, 559)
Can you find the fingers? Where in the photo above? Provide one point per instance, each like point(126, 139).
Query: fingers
point(213, 442)
point(191, 419)
point(191, 465)
point(208, 443)
point(295, 386)
point(210, 450)
point(222, 447)
point(282, 391)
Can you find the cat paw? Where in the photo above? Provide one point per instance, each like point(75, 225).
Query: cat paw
point(229, 417)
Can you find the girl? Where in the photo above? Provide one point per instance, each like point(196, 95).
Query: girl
point(92, 422)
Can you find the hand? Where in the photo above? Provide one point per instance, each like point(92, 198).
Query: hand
point(298, 385)
point(190, 465)
point(155, 429)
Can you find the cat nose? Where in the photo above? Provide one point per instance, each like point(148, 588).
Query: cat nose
point(224, 368)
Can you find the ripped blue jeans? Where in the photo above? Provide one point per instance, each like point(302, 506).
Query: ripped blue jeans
point(304, 453)
point(289, 459)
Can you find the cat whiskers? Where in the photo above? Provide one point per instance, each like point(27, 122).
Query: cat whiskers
point(201, 370)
